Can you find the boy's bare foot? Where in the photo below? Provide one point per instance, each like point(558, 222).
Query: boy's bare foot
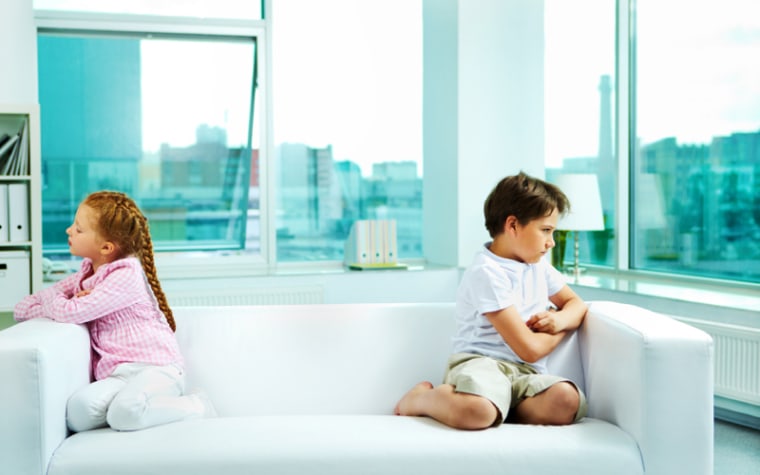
point(406, 406)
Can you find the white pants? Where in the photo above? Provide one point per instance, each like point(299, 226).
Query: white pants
point(135, 396)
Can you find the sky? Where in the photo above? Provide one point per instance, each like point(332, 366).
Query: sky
point(704, 80)
point(577, 55)
point(698, 76)
point(172, 74)
point(352, 80)
point(697, 73)
point(364, 98)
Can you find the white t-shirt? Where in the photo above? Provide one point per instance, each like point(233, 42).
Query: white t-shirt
point(492, 283)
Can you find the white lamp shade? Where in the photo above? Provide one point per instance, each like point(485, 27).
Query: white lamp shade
point(582, 189)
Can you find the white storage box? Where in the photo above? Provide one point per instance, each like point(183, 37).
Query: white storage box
point(14, 278)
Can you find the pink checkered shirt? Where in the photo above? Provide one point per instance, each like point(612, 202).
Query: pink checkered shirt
point(121, 313)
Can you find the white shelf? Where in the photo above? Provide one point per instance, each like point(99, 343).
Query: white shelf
point(16, 280)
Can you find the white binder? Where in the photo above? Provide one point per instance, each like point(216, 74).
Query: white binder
point(18, 212)
point(14, 277)
point(4, 212)
point(372, 244)
point(391, 242)
point(356, 249)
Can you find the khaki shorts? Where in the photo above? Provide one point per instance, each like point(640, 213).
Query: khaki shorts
point(504, 383)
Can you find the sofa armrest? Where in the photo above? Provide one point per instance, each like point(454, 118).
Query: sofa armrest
point(41, 363)
point(652, 376)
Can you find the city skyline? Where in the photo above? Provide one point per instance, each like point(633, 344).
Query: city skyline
point(693, 85)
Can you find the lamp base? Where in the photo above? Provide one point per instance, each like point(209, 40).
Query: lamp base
point(570, 270)
point(574, 272)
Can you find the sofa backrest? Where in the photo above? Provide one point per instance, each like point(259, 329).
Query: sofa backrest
point(313, 359)
point(320, 359)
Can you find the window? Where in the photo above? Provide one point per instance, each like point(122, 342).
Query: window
point(169, 117)
point(164, 118)
point(345, 119)
point(695, 168)
point(579, 67)
point(347, 102)
point(694, 128)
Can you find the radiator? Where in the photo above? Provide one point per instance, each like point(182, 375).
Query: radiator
point(737, 359)
point(248, 296)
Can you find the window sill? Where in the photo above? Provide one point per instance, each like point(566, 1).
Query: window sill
point(675, 295)
point(235, 266)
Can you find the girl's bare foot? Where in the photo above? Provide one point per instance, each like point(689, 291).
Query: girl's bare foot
point(406, 406)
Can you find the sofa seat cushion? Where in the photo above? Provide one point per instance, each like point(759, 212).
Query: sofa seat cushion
point(347, 444)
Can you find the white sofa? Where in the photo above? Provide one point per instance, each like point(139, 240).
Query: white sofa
point(310, 389)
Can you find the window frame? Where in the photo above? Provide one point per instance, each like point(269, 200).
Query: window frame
point(626, 133)
point(624, 126)
point(186, 265)
point(197, 263)
point(622, 275)
point(631, 279)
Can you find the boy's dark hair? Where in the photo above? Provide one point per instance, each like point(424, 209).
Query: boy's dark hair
point(523, 197)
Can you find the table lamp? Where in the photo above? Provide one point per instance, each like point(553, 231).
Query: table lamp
point(582, 189)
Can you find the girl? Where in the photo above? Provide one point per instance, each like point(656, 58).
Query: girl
point(136, 363)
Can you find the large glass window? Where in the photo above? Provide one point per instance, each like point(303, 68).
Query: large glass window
point(124, 112)
point(695, 169)
point(347, 100)
point(579, 105)
point(166, 119)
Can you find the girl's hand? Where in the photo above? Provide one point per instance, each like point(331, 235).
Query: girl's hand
point(546, 322)
point(82, 293)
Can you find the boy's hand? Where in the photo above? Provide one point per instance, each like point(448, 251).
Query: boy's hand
point(546, 322)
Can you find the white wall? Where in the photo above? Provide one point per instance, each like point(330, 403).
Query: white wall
point(18, 53)
point(383, 286)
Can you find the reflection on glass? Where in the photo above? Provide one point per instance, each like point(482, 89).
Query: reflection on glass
point(579, 111)
point(696, 171)
point(165, 120)
point(347, 123)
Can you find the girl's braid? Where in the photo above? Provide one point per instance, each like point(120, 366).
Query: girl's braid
point(121, 221)
point(149, 266)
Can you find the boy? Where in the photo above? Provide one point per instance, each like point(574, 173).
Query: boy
point(506, 328)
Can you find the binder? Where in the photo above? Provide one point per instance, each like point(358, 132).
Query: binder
point(6, 155)
point(22, 149)
point(18, 212)
point(14, 170)
point(4, 213)
point(14, 277)
point(391, 242)
point(4, 138)
point(371, 245)
point(361, 243)
point(377, 242)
